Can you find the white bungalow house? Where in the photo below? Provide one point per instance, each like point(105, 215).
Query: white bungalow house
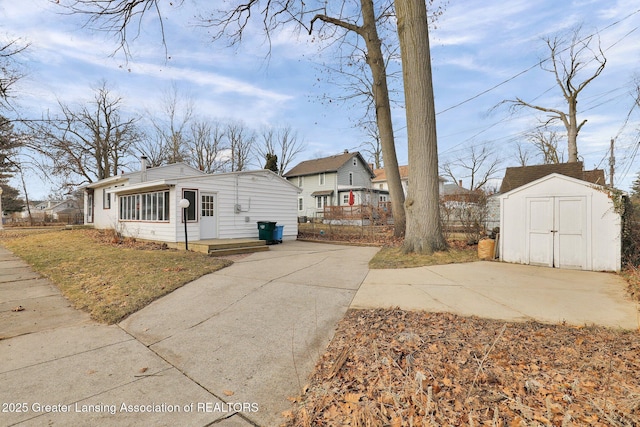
point(329, 181)
point(145, 204)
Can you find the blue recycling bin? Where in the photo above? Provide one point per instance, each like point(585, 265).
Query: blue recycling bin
point(277, 233)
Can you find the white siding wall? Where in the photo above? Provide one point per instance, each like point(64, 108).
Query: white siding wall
point(103, 218)
point(262, 196)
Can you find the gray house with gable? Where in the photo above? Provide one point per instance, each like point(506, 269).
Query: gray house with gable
point(329, 181)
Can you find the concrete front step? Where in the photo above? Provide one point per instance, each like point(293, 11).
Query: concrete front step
point(222, 247)
point(236, 251)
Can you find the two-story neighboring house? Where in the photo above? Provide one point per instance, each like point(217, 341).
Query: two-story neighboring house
point(329, 181)
point(380, 180)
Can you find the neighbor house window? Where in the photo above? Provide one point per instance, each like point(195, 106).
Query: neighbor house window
point(106, 199)
point(321, 177)
point(321, 202)
point(152, 207)
point(300, 181)
point(300, 204)
point(190, 195)
point(355, 162)
point(345, 199)
point(350, 178)
point(383, 198)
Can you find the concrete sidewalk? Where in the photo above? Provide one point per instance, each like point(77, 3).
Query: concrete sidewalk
point(504, 291)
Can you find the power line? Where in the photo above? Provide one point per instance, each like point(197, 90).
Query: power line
point(540, 63)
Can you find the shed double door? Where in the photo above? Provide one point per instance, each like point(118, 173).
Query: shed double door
point(556, 232)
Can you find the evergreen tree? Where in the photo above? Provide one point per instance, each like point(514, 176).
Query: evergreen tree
point(272, 162)
point(9, 143)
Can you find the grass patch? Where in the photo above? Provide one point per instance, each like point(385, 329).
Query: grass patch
point(393, 257)
point(108, 281)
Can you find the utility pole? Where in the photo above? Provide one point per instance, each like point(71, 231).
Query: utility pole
point(612, 162)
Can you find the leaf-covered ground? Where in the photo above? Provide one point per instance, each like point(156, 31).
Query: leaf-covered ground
point(400, 368)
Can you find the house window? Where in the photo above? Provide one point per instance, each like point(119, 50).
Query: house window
point(190, 195)
point(350, 178)
point(152, 207)
point(106, 199)
point(208, 205)
point(321, 201)
point(300, 204)
point(321, 179)
point(383, 198)
point(345, 199)
point(300, 181)
point(381, 186)
point(90, 208)
point(355, 162)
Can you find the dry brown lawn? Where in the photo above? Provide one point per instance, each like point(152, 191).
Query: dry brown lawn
point(107, 277)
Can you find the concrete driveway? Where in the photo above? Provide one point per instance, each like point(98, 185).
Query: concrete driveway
point(227, 349)
point(504, 291)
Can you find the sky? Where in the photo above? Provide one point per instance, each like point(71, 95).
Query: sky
point(483, 52)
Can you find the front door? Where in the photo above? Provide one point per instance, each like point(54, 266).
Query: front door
point(208, 217)
point(556, 232)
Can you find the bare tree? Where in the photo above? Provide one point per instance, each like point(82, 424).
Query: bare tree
point(282, 142)
point(172, 126)
point(523, 154)
point(10, 69)
point(372, 145)
point(153, 148)
point(368, 31)
point(569, 59)
point(477, 165)
point(425, 234)
point(207, 145)
point(240, 140)
point(424, 229)
point(89, 142)
point(545, 141)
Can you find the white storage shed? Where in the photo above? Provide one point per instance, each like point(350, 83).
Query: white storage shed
point(563, 222)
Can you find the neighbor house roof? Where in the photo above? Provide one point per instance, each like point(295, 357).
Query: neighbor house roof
point(381, 175)
point(518, 176)
point(325, 164)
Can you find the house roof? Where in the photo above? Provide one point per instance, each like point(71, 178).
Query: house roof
point(454, 189)
point(167, 183)
point(325, 164)
point(381, 174)
point(515, 177)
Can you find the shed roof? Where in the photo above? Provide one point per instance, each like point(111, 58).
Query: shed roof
point(325, 164)
point(515, 177)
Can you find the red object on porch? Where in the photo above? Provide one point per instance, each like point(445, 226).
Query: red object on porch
point(352, 199)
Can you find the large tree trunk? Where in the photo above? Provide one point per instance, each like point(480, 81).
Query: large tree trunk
point(375, 60)
point(424, 231)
